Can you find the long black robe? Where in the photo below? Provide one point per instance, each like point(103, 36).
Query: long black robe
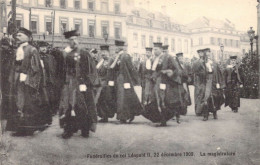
point(30, 96)
point(128, 104)
point(169, 100)
point(106, 105)
point(233, 81)
point(80, 69)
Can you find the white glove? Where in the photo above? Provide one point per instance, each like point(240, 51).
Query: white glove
point(217, 85)
point(82, 88)
point(23, 77)
point(163, 86)
point(241, 86)
point(73, 113)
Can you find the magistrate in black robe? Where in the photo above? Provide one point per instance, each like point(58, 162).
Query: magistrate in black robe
point(128, 103)
point(77, 107)
point(233, 80)
point(28, 99)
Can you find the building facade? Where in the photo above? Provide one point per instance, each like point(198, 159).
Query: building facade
point(95, 19)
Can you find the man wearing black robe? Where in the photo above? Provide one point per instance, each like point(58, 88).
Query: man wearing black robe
point(128, 103)
point(77, 107)
point(28, 99)
point(106, 94)
point(165, 91)
point(233, 80)
point(184, 89)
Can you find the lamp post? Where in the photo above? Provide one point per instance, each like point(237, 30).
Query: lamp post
point(222, 52)
point(251, 35)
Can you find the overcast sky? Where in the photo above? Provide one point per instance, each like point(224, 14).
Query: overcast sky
point(242, 13)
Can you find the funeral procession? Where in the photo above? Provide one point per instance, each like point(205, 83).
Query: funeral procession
point(129, 82)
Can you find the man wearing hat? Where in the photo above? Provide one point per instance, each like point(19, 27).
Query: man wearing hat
point(145, 72)
point(183, 88)
point(199, 78)
point(28, 100)
point(165, 99)
point(211, 96)
point(49, 64)
point(233, 82)
point(77, 107)
point(126, 79)
point(106, 94)
point(165, 49)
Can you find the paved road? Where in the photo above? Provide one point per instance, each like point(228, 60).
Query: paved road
point(143, 143)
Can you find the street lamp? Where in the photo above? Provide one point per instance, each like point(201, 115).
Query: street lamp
point(222, 51)
point(251, 35)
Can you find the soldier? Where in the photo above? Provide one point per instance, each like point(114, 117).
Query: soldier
point(233, 80)
point(183, 88)
point(77, 107)
point(145, 72)
point(165, 99)
point(212, 96)
point(106, 95)
point(28, 99)
point(128, 103)
point(165, 49)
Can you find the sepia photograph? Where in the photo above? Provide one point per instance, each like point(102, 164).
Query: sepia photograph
point(129, 82)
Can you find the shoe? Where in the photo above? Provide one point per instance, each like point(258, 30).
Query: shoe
point(163, 124)
point(178, 121)
point(123, 121)
point(104, 120)
point(131, 119)
point(205, 119)
point(215, 115)
point(235, 111)
point(66, 135)
point(85, 134)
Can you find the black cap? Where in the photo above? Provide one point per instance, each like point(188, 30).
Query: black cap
point(165, 47)
point(199, 50)
point(233, 57)
point(149, 49)
point(104, 47)
point(119, 43)
point(93, 51)
point(42, 43)
point(206, 49)
point(24, 31)
point(179, 54)
point(157, 44)
point(71, 33)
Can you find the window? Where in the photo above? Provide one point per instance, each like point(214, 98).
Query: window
point(225, 42)
point(48, 25)
point(179, 45)
point(63, 4)
point(237, 43)
point(78, 25)
point(77, 4)
point(34, 27)
point(151, 41)
point(135, 39)
point(212, 40)
point(219, 41)
point(64, 24)
point(104, 6)
point(117, 8)
point(91, 5)
point(117, 26)
point(91, 28)
point(158, 39)
point(165, 41)
point(19, 23)
point(143, 41)
point(48, 3)
point(185, 46)
point(173, 45)
point(231, 43)
point(200, 41)
point(104, 28)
